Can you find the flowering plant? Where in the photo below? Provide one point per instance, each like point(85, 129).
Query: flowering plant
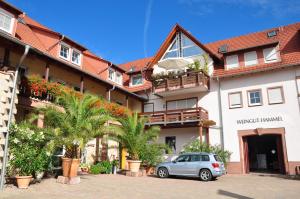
point(28, 149)
point(43, 89)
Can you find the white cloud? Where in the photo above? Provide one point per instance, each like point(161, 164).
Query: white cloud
point(146, 25)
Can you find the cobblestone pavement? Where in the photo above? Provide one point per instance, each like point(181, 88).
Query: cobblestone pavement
point(118, 186)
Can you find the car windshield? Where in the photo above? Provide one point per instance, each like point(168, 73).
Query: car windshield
point(217, 158)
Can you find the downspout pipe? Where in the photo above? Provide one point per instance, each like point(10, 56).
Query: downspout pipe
point(112, 89)
point(4, 162)
point(220, 113)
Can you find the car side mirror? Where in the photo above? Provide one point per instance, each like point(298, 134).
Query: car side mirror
point(173, 161)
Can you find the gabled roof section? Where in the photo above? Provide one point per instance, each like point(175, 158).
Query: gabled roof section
point(136, 65)
point(288, 40)
point(10, 7)
point(169, 39)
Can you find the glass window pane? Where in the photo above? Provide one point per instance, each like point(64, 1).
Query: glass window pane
point(171, 105)
point(171, 54)
point(186, 41)
point(204, 158)
point(137, 79)
point(192, 103)
point(191, 51)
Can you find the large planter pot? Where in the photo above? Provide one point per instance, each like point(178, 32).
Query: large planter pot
point(74, 167)
point(66, 165)
point(23, 181)
point(70, 167)
point(134, 165)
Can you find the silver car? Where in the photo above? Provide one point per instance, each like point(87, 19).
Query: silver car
point(207, 166)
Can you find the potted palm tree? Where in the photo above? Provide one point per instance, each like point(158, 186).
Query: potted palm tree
point(133, 136)
point(77, 120)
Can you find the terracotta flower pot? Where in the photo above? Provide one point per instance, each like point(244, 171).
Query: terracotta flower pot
point(74, 167)
point(66, 165)
point(23, 181)
point(70, 167)
point(134, 165)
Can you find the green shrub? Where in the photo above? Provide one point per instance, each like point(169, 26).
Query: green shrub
point(196, 146)
point(152, 154)
point(106, 165)
point(101, 167)
point(96, 169)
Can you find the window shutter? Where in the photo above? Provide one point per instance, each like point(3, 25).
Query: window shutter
point(275, 95)
point(250, 58)
point(235, 100)
point(232, 61)
point(270, 54)
point(148, 107)
point(298, 84)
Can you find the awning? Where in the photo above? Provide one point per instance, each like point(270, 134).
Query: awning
point(175, 63)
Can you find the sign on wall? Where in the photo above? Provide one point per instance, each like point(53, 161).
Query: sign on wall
point(260, 120)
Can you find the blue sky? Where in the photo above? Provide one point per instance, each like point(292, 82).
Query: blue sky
point(122, 31)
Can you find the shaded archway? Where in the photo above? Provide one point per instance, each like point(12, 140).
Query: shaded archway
point(273, 134)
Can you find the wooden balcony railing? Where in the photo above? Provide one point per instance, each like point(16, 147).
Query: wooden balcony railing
point(187, 80)
point(176, 116)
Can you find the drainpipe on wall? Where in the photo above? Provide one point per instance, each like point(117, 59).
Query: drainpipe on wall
point(27, 47)
point(220, 113)
point(112, 89)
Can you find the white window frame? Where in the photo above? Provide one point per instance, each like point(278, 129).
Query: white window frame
point(170, 46)
point(248, 54)
point(131, 80)
point(281, 93)
point(12, 21)
point(116, 78)
point(67, 46)
point(272, 60)
point(232, 106)
point(236, 65)
point(80, 55)
point(249, 98)
point(113, 74)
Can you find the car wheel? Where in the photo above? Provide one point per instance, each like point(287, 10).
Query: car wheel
point(162, 172)
point(205, 175)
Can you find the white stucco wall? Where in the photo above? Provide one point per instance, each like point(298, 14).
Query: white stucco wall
point(289, 110)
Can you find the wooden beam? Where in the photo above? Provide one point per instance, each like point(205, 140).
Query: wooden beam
point(47, 72)
point(6, 57)
point(127, 102)
point(81, 84)
point(200, 133)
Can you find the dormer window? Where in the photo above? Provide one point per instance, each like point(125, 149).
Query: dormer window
point(64, 51)
point(250, 58)
point(232, 61)
point(136, 80)
point(6, 21)
point(270, 55)
point(76, 57)
point(115, 76)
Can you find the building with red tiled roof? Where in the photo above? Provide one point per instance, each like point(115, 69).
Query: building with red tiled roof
point(241, 93)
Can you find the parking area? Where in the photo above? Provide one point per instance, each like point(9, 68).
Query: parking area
point(119, 186)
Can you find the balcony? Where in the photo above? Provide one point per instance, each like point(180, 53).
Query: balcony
point(188, 82)
point(187, 117)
